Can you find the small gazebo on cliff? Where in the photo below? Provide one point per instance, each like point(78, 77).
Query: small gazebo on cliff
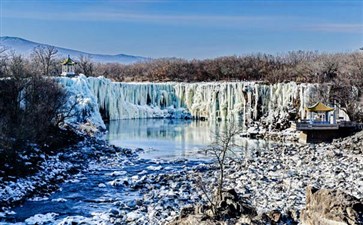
point(68, 67)
point(320, 114)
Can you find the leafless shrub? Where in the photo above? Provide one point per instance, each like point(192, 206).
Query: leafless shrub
point(224, 149)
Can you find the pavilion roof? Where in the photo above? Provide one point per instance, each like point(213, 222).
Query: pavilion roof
point(319, 107)
point(68, 61)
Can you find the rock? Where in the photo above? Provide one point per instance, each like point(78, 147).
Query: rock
point(185, 211)
point(59, 200)
point(294, 215)
point(331, 207)
point(101, 185)
point(274, 215)
point(114, 212)
point(132, 216)
point(41, 219)
point(193, 220)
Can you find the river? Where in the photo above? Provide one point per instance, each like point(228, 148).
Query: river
point(171, 144)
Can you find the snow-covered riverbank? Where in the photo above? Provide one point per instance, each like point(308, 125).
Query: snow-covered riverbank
point(54, 170)
point(269, 179)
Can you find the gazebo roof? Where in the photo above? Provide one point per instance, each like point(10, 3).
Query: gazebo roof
point(68, 61)
point(319, 107)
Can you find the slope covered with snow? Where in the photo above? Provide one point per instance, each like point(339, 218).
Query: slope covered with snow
point(25, 47)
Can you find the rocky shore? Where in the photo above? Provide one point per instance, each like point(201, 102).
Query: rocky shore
point(270, 180)
point(273, 183)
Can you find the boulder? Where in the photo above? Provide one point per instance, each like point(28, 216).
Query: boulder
point(331, 207)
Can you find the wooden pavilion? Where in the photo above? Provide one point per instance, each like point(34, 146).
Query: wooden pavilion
point(321, 125)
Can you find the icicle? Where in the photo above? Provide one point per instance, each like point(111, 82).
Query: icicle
point(211, 100)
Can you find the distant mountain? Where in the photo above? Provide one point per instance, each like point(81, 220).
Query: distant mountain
point(25, 47)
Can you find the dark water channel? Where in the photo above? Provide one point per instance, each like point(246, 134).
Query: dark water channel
point(171, 144)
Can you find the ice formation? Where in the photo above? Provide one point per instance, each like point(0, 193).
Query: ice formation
point(82, 102)
point(247, 101)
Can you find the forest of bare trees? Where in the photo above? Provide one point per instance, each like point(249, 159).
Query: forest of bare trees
point(299, 66)
point(31, 108)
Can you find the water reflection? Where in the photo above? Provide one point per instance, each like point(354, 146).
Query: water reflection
point(170, 138)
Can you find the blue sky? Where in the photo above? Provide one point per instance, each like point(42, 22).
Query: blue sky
point(187, 29)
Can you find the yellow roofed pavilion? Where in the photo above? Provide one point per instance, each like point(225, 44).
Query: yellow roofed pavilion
point(319, 107)
point(68, 67)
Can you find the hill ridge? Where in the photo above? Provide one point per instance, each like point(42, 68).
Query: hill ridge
point(25, 47)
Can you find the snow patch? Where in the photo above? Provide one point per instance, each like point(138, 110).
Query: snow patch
point(41, 219)
point(154, 168)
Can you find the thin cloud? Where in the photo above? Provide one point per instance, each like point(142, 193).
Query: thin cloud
point(337, 27)
point(139, 17)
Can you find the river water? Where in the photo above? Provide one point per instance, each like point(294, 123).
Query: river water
point(172, 144)
point(171, 139)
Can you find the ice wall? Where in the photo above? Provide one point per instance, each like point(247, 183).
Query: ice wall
point(246, 101)
point(81, 103)
point(136, 100)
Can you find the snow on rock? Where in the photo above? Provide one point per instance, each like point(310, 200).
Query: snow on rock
point(41, 219)
point(101, 185)
point(59, 200)
point(69, 220)
point(15, 191)
point(132, 216)
point(116, 173)
point(154, 168)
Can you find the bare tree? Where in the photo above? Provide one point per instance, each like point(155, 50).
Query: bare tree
point(44, 57)
point(348, 99)
point(3, 61)
point(224, 147)
point(86, 65)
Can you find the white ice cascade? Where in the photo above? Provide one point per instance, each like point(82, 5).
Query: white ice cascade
point(81, 102)
point(212, 100)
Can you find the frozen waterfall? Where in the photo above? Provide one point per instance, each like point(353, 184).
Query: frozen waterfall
point(247, 101)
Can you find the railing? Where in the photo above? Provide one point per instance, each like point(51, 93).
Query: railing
point(312, 125)
point(347, 124)
point(315, 125)
point(350, 124)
